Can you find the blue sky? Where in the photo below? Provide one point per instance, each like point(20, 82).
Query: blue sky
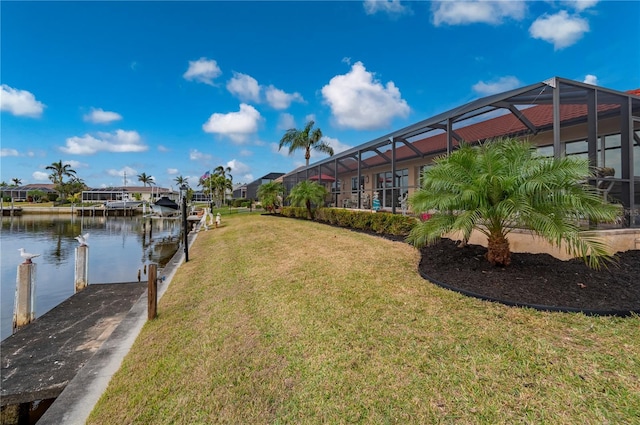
point(178, 88)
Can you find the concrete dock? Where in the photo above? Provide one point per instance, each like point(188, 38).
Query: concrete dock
point(70, 353)
point(39, 360)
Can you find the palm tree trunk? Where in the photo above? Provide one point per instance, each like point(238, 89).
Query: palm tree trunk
point(498, 252)
point(309, 210)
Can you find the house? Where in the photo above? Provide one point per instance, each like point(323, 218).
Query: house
point(250, 191)
point(146, 193)
point(21, 193)
point(559, 116)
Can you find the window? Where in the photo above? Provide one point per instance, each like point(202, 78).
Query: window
point(385, 183)
point(355, 187)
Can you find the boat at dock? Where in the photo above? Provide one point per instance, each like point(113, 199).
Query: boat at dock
point(125, 202)
point(165, 207)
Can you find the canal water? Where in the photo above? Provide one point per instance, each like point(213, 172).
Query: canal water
point(119, 247)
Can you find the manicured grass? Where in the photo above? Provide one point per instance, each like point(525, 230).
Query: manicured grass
point(278, 321)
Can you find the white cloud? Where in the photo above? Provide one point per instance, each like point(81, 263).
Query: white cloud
point(172, 171)
point(474, 11)
point(502, 84)
point(360, 102)
point(196, 155)
point(246, 152)
point(310, 117)
point(581, 5)
point(285, 122)
point(560, 29)
point(240, 171)
point(275, 148)
point(163, 148)
point(19, 102)
point(40, 176)
point(279, 99)
point(245, 87)
point(119, 141)
point(131, 174)
point(591, 79)
point(99, 116)
point(238, 167)
point(8, 152)
point(76, 164)
point(238, 126)
point(203, 71)
point(392, 7)
point(335, 144)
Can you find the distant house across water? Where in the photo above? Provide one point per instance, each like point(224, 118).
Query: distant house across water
point(146, 193)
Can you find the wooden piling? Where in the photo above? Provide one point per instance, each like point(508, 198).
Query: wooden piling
point(81, 279)
point(152, 292)
point(24, 307)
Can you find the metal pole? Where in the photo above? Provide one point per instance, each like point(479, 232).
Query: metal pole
point(184, 227)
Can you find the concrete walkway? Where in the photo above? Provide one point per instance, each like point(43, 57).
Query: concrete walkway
point(78, 399)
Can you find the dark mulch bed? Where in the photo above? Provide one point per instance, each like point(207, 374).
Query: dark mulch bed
point(537, 279)
point(534, 279)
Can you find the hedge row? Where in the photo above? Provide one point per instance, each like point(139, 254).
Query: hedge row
point(380, 222)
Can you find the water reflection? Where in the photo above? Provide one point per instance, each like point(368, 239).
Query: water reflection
point(118, 248)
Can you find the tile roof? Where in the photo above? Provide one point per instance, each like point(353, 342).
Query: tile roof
point(541, 116)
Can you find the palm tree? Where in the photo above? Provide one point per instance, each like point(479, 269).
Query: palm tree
point(59, 171)
point(305, 139)
point(223, 171)
point(16, 181)
point(181, 180)
point(502, 185)
point(270, 195)
point(145, 179)
point(306, 193)
point(219, 185)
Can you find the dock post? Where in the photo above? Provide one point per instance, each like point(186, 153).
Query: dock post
point(82, 268)
point(152, 292)
point(24, 307)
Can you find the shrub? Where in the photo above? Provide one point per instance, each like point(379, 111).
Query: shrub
point(238, 202)
point(364, 220)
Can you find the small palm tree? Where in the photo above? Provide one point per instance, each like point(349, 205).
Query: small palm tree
point(145, 179)
point(219, 186)
point(181, 180)
point(502, 185)
point(223, 171)
point(59, 171)
point(306, 193)
point(305, 139)
point(16, 181)
point(270, 195)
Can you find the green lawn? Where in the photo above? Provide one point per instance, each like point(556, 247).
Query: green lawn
point(276, 321)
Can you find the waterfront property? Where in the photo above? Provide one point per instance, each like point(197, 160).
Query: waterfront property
point(559, 116)
point(142, 193)
point(28, 192)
